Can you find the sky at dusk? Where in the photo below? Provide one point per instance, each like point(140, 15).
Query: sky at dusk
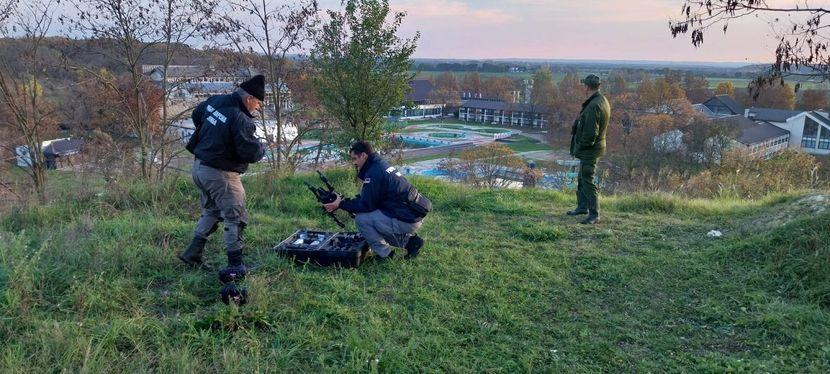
point(571, 29)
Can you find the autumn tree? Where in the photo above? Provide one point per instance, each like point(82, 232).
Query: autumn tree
point(571, 93)
point(711, 139)
point(472, 83)
point(29, 115)
point(725, 88)
point(661, 96)
point(182, 21)
point(500, 88)
point(780, 96)
point(616, 84)
point(633, 147)
point(447, 91)
point(672, 76)
point(696, 88)
point(362, 66)
point(487, 166)
point(307, 115)
point(275, 30)
point(812, 100)
point(544, 95)
point(132, 27)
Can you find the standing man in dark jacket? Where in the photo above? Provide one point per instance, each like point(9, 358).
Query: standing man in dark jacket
point(384, 211)
point(224, 143)
point(588, 145)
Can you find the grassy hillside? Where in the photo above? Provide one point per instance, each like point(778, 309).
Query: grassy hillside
point(505, 283)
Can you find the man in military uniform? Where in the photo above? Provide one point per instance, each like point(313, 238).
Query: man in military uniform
point(224, 143)
point(588, 145)
point(389, 210)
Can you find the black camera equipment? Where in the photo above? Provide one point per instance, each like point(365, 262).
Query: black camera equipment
point(232, 289)
point(324, 248)
point(325, 196)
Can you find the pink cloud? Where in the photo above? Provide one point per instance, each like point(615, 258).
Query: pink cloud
point(457, 12)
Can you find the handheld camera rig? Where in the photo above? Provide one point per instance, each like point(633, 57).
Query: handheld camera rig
point(326, 195)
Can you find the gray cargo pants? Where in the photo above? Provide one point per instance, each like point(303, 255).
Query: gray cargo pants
point(223, 199)
point(381, 231)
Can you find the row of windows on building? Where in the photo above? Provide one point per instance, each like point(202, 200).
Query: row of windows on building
point(815, 135)
point(502, 117)
point(420, 112)
point(769, 147)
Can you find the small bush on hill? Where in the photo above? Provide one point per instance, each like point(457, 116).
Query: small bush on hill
point(742, 175)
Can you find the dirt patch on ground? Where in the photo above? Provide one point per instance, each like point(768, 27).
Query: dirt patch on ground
point(816, 203)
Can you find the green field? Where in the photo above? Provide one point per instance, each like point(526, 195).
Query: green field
point(522, 143)
point(505, 283)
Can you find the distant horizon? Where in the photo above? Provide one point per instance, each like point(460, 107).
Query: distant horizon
point(591, 60)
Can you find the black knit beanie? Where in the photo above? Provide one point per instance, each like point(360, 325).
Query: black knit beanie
point(255, 86)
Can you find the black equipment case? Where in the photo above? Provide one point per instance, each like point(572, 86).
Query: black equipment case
point(346, 249)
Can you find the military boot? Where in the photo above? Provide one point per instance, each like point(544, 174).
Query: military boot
point(413, 247)
point(577, 211)
point(192, 256)
point(592, 219)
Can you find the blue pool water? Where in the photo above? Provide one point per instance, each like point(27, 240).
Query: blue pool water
point(433, 172)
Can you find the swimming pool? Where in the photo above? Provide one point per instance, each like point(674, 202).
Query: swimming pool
point(422, 142)
point(433, 172)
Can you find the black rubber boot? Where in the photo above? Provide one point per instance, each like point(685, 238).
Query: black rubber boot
point(192, 256)
point(235, 251)
point(577, 211)
point(235, 258)
point(593, 218)
point(413, 247)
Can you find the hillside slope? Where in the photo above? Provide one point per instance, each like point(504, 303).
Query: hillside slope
point(505, 283)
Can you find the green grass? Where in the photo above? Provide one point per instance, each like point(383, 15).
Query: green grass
point(522, 143)
point(505, 283)
point(447, 135)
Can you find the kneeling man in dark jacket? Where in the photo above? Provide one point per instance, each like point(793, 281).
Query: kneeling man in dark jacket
point(389, 210)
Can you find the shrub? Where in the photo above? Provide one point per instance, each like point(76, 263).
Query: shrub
point(742, 175)
point(485, 166)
